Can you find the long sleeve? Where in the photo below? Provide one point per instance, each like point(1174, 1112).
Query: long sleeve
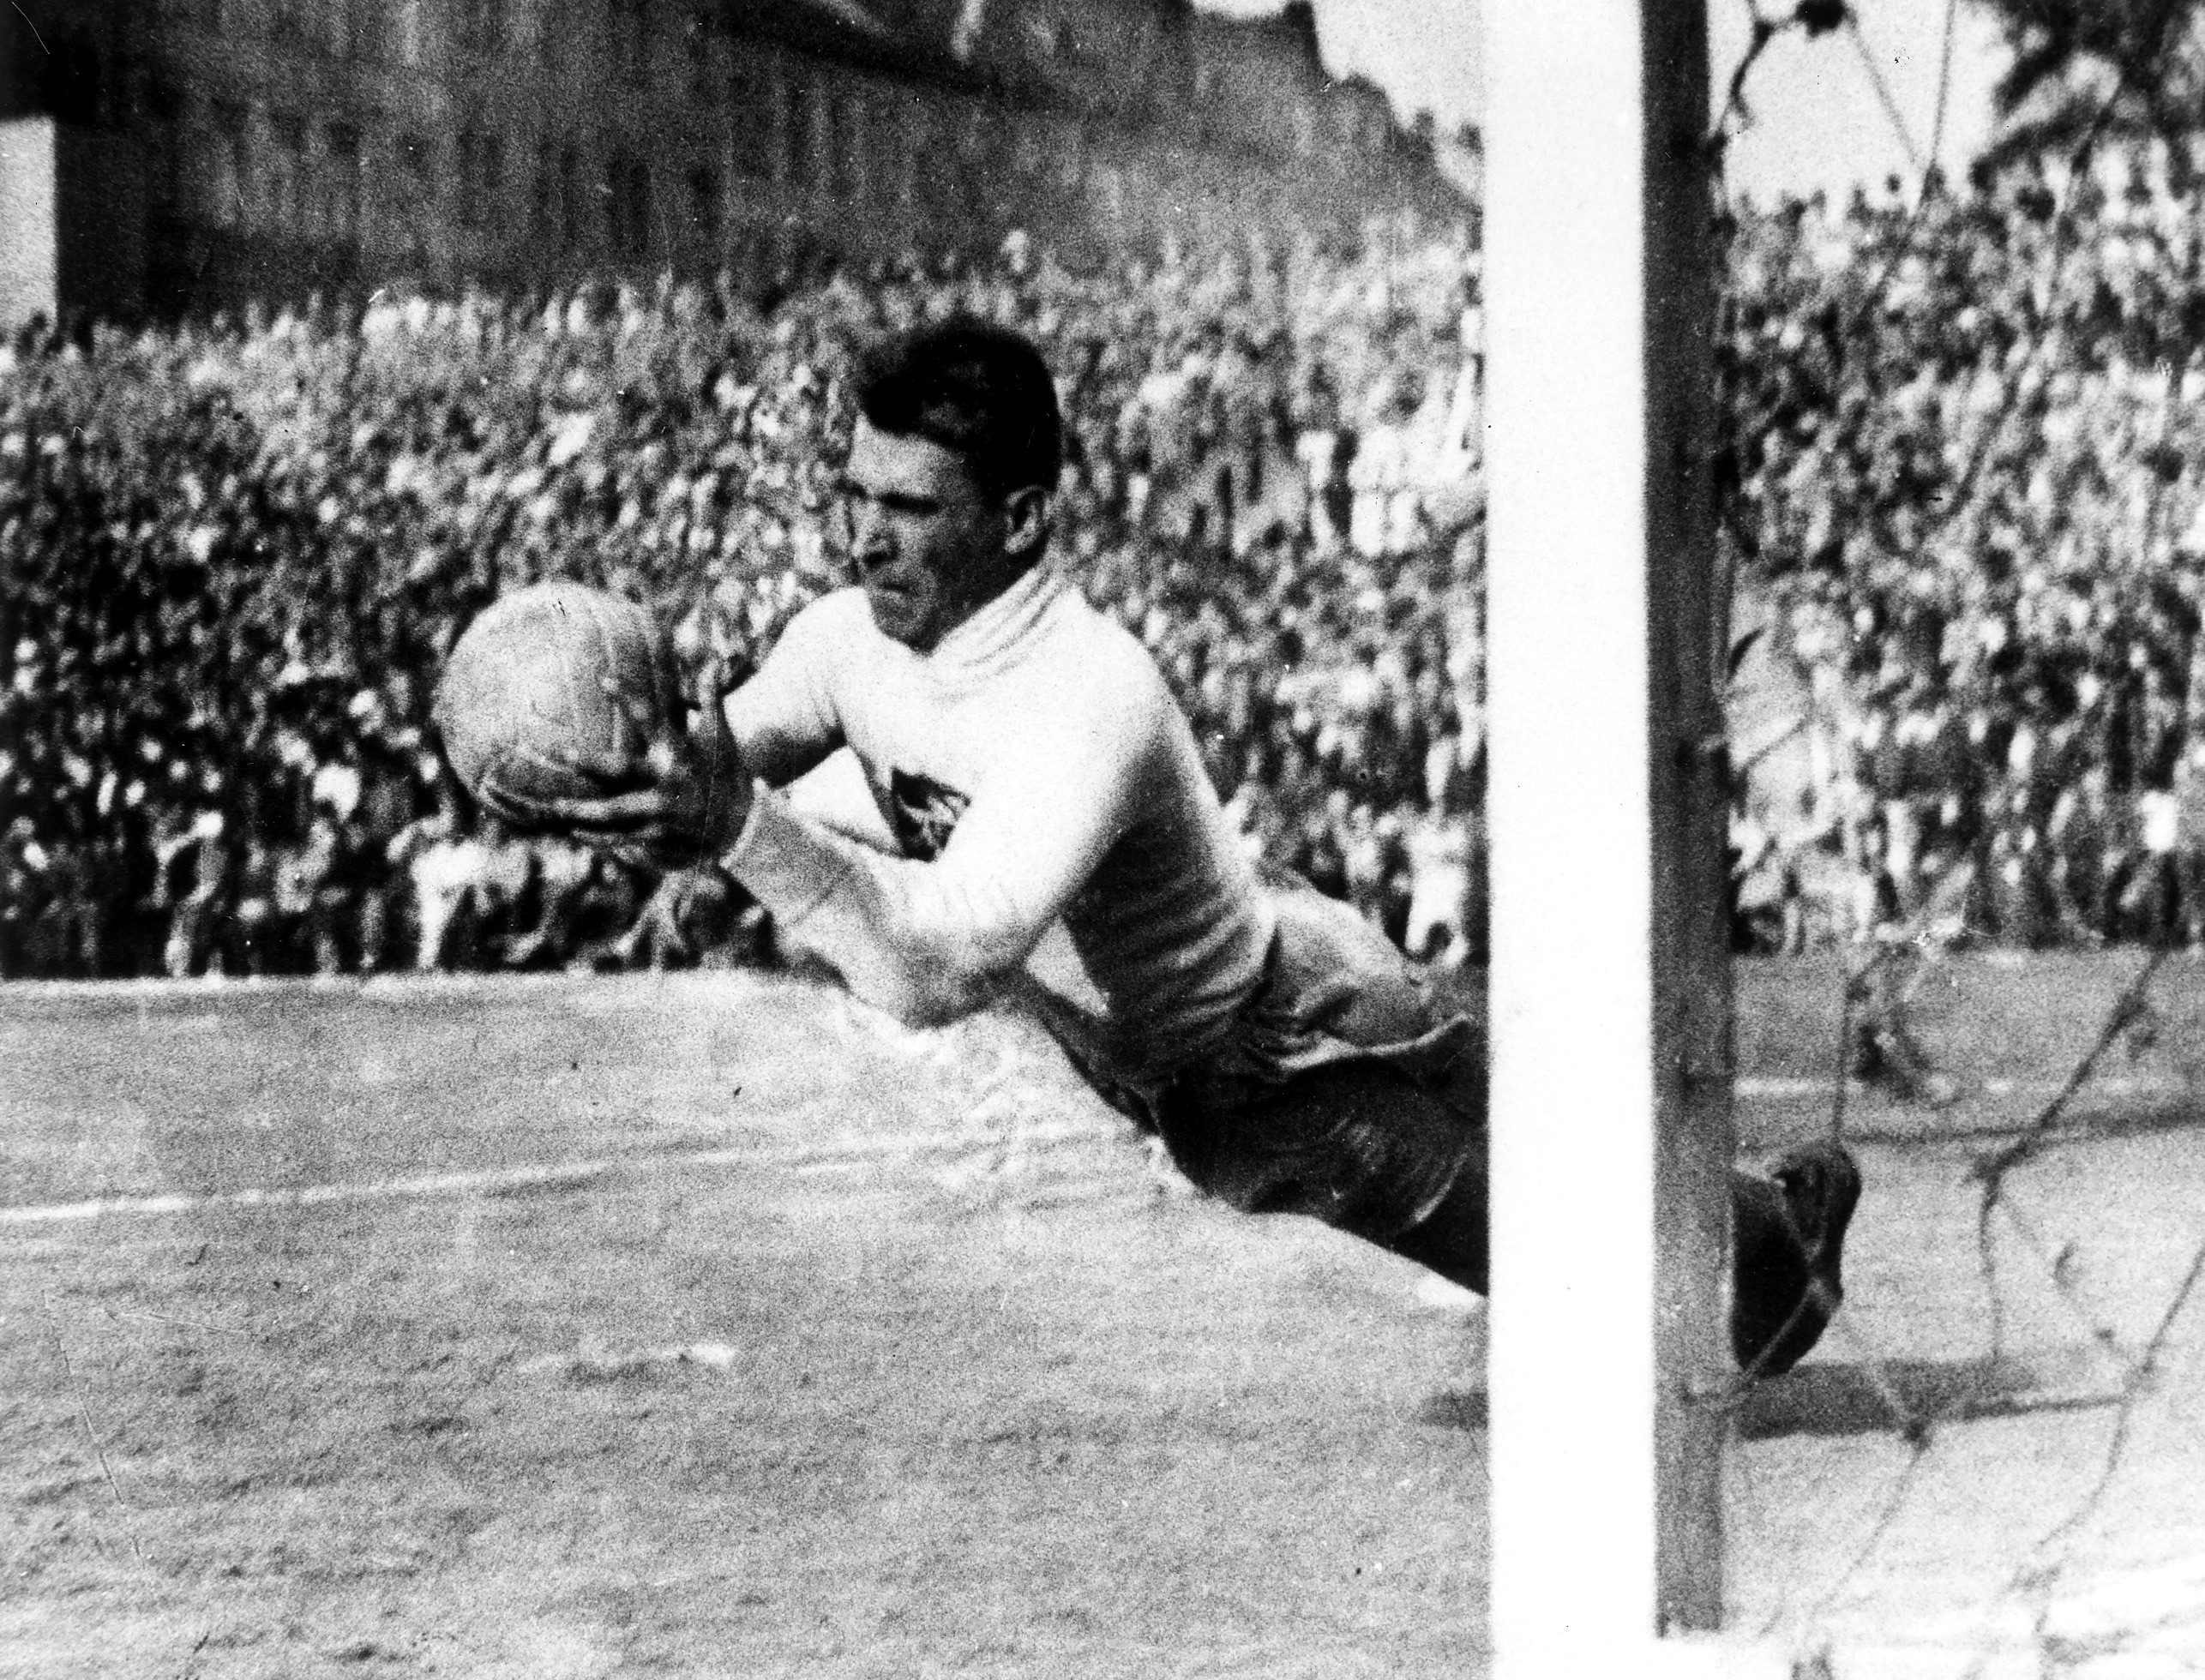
point(932, 940)
point(784, 719)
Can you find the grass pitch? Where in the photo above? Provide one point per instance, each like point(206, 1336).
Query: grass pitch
point(690, 1327)
point(709, 1326)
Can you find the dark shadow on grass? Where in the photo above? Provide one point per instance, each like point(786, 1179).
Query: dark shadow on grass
point(1889, 1397)
point(1455, 1409)
point(1902, 1396)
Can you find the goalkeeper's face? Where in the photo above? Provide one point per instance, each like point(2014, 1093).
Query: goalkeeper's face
point(926, 545)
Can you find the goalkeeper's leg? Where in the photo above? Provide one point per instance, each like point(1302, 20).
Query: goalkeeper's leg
point(1365, 1148)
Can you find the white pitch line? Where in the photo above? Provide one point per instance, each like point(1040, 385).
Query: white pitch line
point(1776, 1088)
point(833, 1152)
point(827, 1155)
point(399, 987)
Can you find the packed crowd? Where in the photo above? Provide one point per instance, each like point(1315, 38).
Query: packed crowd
point(1962, 474)
point(1966, 472)
point(239, 551)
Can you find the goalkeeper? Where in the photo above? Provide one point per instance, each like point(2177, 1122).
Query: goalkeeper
point(1047, 835)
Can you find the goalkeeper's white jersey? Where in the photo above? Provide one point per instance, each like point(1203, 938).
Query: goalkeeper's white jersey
point(1033, 769)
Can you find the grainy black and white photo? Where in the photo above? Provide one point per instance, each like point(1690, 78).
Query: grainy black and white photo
point(765, 913)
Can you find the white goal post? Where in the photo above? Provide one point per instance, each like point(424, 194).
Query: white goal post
point(1612, 1135)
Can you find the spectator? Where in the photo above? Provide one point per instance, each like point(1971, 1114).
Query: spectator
point(242, 551)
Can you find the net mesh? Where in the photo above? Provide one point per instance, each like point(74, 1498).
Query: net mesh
point(1989, 1465)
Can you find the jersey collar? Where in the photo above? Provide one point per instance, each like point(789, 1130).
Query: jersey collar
point(1000, 629)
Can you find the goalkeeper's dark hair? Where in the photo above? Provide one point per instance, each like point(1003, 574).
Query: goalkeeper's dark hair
point(978, 389)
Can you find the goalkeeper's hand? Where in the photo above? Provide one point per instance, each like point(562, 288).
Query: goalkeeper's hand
point(681, 801)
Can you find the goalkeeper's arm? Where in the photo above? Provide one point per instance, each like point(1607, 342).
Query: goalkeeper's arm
point(926, 941)
point(929, 941)
point(687, 797)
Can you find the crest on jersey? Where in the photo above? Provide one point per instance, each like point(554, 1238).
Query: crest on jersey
point(924, 813)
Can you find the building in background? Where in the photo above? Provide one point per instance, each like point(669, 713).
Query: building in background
point(177, 155)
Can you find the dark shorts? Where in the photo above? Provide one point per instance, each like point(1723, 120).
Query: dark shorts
point(1348, 1088)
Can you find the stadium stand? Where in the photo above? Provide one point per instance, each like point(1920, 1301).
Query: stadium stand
point(1960, 477)
point(242, 549)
